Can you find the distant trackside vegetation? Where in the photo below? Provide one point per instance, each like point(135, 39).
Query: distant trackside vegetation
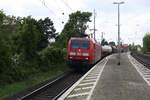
point(146, 45)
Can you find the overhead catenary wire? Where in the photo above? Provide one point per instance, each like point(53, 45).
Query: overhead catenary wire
point(58, 16)
point(66, 4)
point(58, 8)
point(45, 5)
point(63, 1)
point(51, 11)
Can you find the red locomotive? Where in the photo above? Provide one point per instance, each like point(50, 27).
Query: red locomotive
point(83, 52)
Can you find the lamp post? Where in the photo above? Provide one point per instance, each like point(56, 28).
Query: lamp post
point(118, 4)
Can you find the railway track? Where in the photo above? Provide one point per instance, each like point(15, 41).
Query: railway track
point(144, 59)
point(51, 90)
point(141, 63)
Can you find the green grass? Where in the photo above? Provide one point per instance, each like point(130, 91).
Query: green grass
point(10, 89)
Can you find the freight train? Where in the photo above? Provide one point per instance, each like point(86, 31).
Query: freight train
point(83, 52)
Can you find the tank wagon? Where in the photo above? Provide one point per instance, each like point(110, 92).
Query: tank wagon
point(106, 50)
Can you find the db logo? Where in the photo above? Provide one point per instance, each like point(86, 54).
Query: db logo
point(78, 54)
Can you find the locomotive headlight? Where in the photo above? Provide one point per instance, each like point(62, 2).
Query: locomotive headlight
point(85, 54)
point(86, 58)
point(72, 53)
point(70, 57)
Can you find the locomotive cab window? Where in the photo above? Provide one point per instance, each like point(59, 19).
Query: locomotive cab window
point(84, 44)
point(75, 44)
point(80, 44)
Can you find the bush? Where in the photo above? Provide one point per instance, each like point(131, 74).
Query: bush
point(51, 56)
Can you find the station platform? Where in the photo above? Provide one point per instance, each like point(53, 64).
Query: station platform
point(108, 81)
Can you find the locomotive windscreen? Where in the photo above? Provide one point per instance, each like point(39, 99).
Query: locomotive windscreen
point(83, 44)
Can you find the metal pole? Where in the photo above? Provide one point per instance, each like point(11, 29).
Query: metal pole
point(119, 51)
point(119, 32)
point(102, 36)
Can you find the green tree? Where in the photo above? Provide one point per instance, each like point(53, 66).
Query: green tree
point(28, 37)
point(47, 30)
point(104, 42)
point(75, 26)
point(146, 43)
point(2, 16)
point(112, 43)
point(133, 47)
point(6, 68)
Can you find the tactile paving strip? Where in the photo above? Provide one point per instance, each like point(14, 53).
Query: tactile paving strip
point(83, 88)
point(144, 72)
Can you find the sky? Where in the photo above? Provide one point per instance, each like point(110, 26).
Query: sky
point(134, 15)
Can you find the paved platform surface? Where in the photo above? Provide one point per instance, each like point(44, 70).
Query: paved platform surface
point(108, 81)
point(121, 82)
